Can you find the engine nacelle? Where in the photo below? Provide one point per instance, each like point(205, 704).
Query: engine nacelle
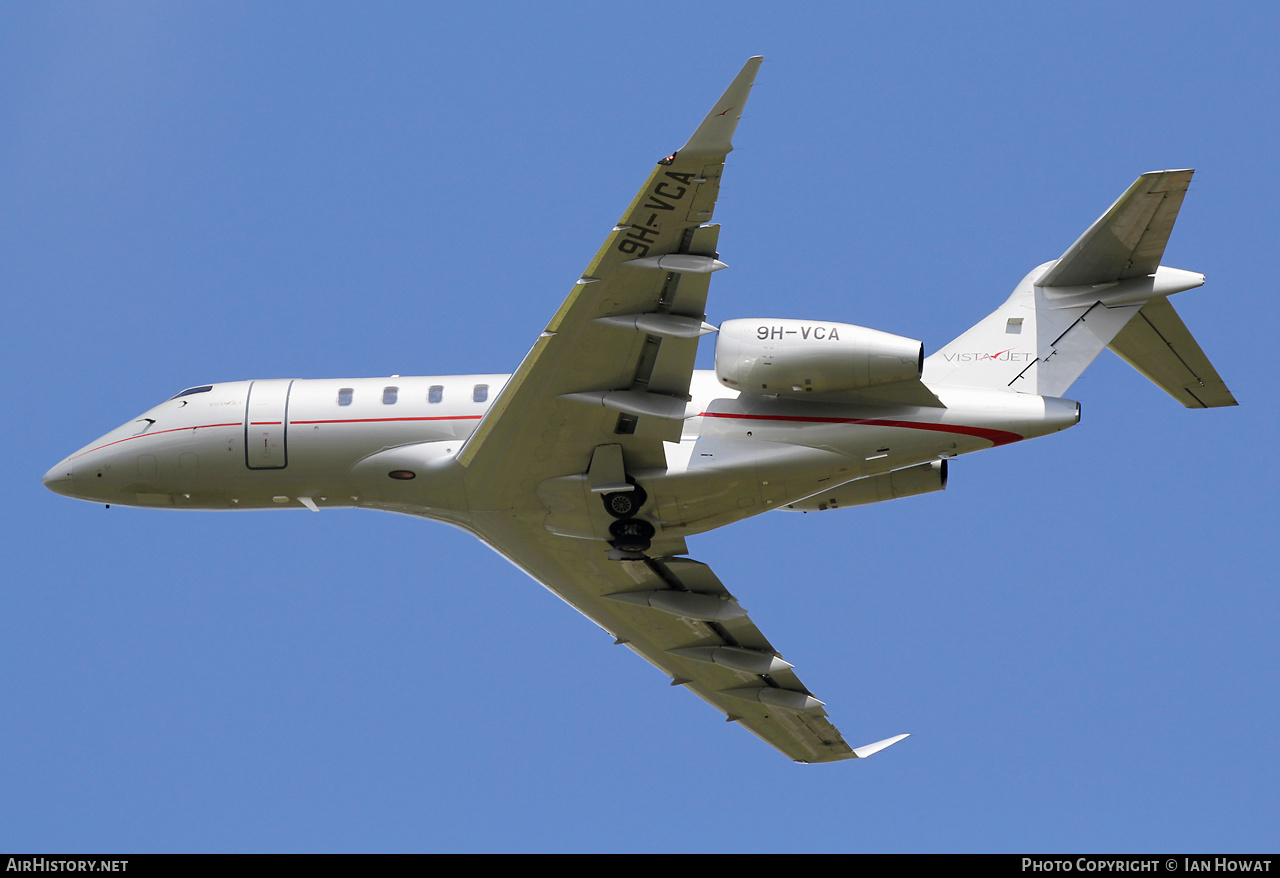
point(797, 357)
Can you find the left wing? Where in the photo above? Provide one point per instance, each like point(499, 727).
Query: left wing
point(675, 613)
point(604, 386)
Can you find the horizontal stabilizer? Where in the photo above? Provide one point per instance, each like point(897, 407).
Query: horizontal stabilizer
point(1158, 344)
point(1129, 239)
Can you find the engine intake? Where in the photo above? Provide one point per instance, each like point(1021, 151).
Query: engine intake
point(798, 357)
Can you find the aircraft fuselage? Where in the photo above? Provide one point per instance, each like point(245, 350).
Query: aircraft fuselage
point(391, 443)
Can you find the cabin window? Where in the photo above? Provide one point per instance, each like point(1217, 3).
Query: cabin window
point(481, 393)
point(1014, 326)
point(389, 395)
point(344, 395)
point(435, 393)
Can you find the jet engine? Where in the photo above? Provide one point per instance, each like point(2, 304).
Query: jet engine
point(798, 357)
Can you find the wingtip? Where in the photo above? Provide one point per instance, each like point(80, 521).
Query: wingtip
point(870, 749)
point(715, 134)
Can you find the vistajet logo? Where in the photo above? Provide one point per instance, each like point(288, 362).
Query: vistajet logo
point(1008, 356)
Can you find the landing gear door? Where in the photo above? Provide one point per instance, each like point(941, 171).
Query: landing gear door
point(266, 423)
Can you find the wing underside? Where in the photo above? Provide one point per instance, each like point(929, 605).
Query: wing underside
point(604, 387)
point(639, 604)
point(614, 363)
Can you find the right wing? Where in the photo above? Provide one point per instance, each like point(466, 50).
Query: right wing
point(613, 365)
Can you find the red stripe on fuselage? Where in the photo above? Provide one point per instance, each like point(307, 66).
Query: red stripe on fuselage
point(156, 433)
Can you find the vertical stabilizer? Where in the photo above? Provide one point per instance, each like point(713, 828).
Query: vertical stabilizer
point(1069, 338)
point(1065, 312)
point(998, 351)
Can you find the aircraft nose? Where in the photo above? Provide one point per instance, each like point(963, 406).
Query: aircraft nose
point(58, 479)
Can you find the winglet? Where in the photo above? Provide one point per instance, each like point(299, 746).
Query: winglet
point(715, 135)
point(869, 749)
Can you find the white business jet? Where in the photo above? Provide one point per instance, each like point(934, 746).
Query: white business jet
point(590, 466)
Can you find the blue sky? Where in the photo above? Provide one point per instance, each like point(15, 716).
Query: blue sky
point(1080, 633)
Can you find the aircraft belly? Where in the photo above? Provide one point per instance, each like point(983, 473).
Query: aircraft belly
point(969, 419)
point(731, 479)
point(760, 453)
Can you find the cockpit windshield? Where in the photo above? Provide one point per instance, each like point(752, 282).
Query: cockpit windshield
point(203, 388)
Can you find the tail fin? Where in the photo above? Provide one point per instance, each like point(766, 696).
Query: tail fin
point(1065, 312)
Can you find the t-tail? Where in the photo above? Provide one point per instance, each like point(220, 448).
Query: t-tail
point(1108, 290)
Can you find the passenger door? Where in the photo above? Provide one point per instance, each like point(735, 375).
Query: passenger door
point(266, 424)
